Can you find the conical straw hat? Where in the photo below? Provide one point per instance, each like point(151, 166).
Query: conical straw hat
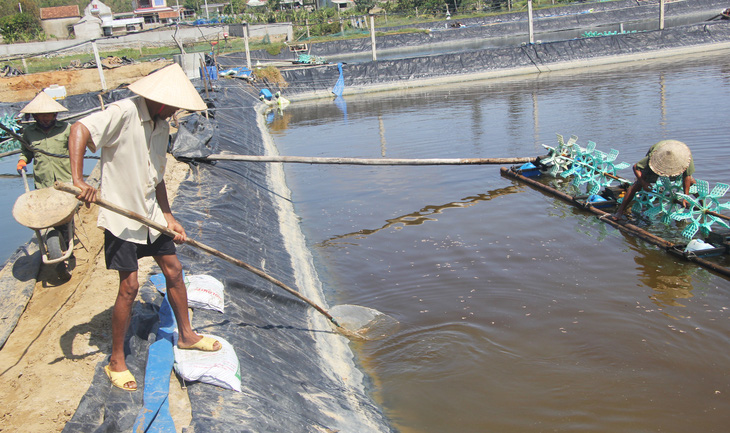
point(43, 103)
point(169, 86)
point(670, 158)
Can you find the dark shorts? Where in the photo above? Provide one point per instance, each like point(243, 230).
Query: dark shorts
point(122, 255)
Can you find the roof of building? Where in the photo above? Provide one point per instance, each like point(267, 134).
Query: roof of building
point(171, 14)
point(151, 11)
point(60, 12)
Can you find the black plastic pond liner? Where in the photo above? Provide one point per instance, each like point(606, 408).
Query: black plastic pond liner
point(195, 138)
point(74, 103)
point(528, 59)
point(591, 16)
point(287, 385)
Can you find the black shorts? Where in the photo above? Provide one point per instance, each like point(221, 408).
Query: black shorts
point(122, 255)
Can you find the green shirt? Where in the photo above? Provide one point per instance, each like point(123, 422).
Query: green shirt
point(650, 176)
point(48, 169)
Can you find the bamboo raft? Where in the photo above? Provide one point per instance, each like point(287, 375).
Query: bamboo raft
point(677, 250)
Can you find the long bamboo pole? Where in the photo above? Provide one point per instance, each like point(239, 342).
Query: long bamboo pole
point(365, 161)
point(71, 189)
point(11, 152)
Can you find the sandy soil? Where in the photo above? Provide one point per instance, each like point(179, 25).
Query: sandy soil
point(76, 81)
point(48, 362)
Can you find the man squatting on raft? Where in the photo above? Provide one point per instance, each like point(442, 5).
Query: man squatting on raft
point(668, 158)
point(133, 135)
point(47, 136)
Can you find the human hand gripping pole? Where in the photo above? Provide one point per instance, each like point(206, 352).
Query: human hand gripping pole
point(368, 323)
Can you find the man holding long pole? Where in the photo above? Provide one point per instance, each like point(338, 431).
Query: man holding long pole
point(133, 135)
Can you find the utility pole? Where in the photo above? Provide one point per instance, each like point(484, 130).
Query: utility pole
point(245, 41)
point(661, 15)
point(98, 65)
point(529, 21)
point(372, 35)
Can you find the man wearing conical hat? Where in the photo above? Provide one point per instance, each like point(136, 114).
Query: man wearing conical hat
point(48, 151)
point(667, 158)
point(133, 135)
point(47, 137)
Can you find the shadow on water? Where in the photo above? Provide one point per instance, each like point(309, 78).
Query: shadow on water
point(671, 282)
point(423, 215)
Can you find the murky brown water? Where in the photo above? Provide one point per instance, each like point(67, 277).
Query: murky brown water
point(519, 313)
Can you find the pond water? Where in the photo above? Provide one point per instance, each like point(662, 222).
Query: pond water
point(12, 234)
point(518, 312)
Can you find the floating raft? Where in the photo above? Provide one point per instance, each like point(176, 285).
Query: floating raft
point(582, 202)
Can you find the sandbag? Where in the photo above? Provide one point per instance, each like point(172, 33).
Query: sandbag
point(204, 291)
point(219, 368)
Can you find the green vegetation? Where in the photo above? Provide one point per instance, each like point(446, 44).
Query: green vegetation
point(20, 21)
point(233, 45)
point(272, 75)
point(321, 25)
point(116, 6)
point(275, 49)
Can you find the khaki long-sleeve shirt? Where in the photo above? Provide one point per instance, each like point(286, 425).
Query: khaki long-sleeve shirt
point(48, 169)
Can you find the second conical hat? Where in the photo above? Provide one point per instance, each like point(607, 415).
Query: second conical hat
point(670, 158)
point(169, 86)
point(43, 103)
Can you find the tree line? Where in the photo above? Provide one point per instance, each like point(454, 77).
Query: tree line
point(20, 19)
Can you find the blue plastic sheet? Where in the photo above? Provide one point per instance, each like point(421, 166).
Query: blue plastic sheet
point(155, 414)
point(340, 84)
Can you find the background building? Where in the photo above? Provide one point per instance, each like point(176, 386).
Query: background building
point(57, 22)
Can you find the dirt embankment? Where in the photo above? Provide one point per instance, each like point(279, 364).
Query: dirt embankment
point(48, 361)
point(76, 81)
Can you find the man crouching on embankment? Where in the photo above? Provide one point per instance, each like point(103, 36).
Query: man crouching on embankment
point(133, 135)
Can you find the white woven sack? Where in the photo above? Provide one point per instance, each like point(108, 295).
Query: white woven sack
point(219, 368)
point(204, 291)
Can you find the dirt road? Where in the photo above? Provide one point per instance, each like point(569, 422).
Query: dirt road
point(76, 81)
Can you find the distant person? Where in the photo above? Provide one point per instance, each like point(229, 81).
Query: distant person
point(48, 151)
point(667, 158)
point(48, 138)
point(133, 135)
